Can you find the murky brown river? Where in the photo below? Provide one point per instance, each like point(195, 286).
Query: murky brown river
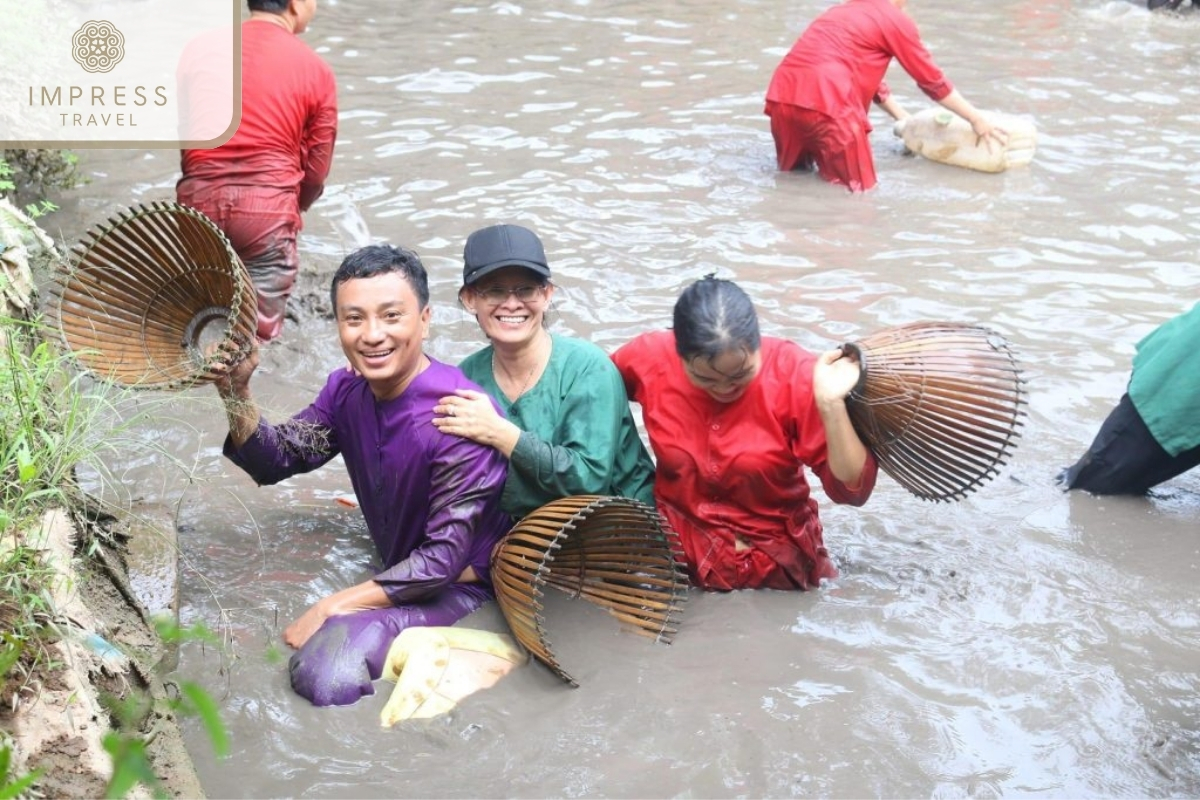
point(1022, 642)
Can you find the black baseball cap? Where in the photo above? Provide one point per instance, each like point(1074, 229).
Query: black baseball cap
point(489, 249)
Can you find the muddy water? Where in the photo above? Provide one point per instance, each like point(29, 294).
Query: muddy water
point(1022, 642)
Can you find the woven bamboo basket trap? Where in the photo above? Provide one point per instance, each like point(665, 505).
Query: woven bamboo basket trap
point(146, 293)
point(940, 404)
point(617, 553)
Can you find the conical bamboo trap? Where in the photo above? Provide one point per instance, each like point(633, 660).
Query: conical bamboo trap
point(617, 553)
point(940, 404)
point(148, 291)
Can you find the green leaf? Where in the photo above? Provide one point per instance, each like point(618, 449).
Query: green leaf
point(130, 767)
point(171, 632)
point(9, 791)
point(26, 468)
point(203, 705)
point(17, 788)
point(9, 657)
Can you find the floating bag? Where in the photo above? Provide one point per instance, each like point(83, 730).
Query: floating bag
point(617, 553)
point(148, 292)
point(939, 404)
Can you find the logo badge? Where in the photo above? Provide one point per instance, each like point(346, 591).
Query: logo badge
point(98, 46)
point(141, 73)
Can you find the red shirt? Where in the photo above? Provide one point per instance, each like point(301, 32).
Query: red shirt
point(738, 468)
point(289, 118)
point(837, 65)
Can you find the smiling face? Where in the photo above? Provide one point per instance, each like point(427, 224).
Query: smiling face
point(509, 303)
point(726, 376)
point(382, 329)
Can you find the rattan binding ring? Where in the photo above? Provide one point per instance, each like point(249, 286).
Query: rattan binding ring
point(939, 404)
point(149, 292)
point(617, 553)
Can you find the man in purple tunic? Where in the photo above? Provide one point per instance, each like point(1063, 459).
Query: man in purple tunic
point(431, 500)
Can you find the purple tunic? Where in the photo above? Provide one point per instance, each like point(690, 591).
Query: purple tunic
point(431, 501)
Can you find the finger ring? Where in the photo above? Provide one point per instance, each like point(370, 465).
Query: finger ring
point(451, 411)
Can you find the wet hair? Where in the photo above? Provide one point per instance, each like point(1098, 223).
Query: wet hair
point(381, 259)
point(273, 6)
point(714, 316)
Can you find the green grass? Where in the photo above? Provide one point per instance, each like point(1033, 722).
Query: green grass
point(56, 423)
point(43, 434)
point(61, 429)
point(45, 428)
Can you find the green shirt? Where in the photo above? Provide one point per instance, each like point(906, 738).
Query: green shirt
point(1165, 384)
point(578, 435)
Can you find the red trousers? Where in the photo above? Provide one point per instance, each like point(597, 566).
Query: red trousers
point(839, 149)
point(261, 223)
point(795, 559)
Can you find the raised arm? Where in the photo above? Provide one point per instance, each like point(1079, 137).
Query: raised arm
point(271, 453)
point(233, 387)
point(834, 375)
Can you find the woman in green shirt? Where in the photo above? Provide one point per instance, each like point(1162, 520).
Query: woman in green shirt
point(567, 429)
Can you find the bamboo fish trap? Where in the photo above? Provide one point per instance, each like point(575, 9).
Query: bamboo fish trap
point(148, 291)
point(617, 553)
point(940, 405)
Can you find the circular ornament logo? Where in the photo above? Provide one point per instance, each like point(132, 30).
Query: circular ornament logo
point(98, 46)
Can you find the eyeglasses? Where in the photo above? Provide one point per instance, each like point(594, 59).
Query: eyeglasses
point(495, 295)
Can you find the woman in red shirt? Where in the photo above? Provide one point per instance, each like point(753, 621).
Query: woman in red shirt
point(733, 419)
point(820, 93)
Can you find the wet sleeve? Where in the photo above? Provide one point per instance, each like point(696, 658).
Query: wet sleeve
point(588, 433)
point(839, 492)
point(305, 442)
point(277, 452)
point(320, 133)
point(904, 41)
point(466, 484)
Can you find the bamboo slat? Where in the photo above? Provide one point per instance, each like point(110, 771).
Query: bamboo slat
point(143, 289)
point(615, 552)
point(939, 404)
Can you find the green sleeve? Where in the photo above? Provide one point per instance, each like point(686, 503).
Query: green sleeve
point(578, 435)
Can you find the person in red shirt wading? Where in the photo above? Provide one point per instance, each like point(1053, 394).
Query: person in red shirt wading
point(255, 186)
point(733, 420)
point(820, 93)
